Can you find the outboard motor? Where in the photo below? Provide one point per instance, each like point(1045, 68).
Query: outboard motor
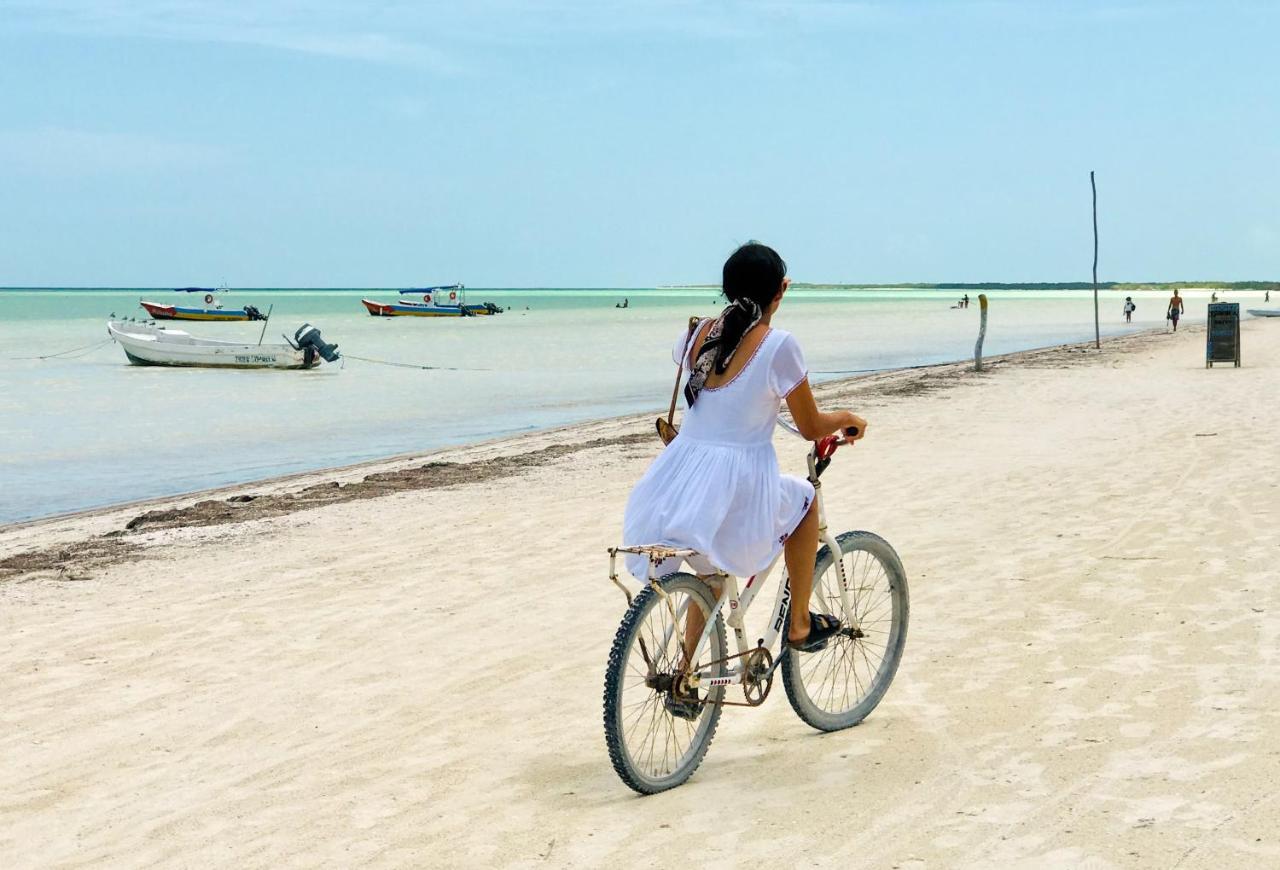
point(253, 313)
point(308, 338)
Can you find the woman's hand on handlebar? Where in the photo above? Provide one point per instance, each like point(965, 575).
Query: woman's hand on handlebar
point(851, 426)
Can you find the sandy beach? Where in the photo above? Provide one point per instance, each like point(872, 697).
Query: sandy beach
point(406, 669)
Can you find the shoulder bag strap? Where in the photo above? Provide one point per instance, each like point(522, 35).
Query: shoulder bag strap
point(675, 391)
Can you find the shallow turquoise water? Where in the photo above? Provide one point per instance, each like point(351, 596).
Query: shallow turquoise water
point(93, 430)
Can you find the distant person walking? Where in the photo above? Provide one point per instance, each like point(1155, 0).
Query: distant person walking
point(1129, 308)
point(1175, 310)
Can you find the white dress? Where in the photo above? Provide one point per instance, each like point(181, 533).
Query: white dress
point(716, 488)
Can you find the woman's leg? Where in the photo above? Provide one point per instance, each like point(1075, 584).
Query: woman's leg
point(695, 620)
point(694, 623)
point(801, 553)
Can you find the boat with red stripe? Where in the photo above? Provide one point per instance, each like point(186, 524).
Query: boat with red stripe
point(447, 300)
point(199, 303)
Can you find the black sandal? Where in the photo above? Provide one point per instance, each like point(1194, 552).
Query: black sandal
point(822, 627)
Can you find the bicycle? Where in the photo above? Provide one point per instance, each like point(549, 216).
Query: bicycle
point(662, 703)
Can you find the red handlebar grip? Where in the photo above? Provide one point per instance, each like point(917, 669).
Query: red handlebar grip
point(827, 446)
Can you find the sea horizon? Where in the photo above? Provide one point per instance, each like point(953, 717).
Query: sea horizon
point(1213, 284)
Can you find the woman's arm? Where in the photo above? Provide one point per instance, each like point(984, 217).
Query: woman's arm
point(813, 423)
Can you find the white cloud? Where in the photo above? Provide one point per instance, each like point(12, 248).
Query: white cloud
point(433, 35)
point(442, 36)
point(326, 29)
point(62, 151)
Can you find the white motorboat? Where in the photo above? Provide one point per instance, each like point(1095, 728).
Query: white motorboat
point(147, 344)
point(1265, 312)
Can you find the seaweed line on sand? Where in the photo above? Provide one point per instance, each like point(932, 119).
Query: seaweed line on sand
point(72, 560)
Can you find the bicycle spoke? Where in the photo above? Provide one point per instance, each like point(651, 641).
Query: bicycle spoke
point(646, 742)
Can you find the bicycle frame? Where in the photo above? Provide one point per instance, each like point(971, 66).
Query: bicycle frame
point(739, 604)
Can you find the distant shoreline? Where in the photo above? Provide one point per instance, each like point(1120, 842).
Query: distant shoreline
point(799, 285)
point(1030, 285)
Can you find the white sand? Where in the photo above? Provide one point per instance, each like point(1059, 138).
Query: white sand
point(1090, 677)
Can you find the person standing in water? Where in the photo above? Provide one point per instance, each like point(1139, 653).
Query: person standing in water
point(1175, 310)
point(1129, 308)
point(716, 488)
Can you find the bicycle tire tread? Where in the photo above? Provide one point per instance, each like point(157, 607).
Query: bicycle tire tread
point(613, 675)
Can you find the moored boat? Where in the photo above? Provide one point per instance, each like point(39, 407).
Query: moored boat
point(445, 301)
point(191, 310)
point(147, 344)
point(1265, 312)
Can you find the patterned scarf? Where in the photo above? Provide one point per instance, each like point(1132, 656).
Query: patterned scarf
point(715, 353)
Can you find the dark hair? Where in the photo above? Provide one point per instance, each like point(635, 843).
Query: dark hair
point(753, 272)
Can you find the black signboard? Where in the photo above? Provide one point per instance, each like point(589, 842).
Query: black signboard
point(1223, 342)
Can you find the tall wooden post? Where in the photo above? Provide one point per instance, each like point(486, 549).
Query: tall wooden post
point(265, 321)
point(1097, 330)
point(982, 333)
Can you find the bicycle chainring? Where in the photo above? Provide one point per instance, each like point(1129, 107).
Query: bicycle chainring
point(758, 677)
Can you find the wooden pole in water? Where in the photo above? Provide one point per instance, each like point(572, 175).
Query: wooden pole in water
point(982, 333)
point(265, 321)
point(1097, 330)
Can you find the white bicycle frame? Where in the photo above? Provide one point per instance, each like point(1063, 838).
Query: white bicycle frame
point(739, 604)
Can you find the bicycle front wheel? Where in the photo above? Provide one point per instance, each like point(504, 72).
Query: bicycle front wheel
point(656, 730)
point(840, 685)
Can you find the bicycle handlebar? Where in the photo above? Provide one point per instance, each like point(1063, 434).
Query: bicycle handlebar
point(823, 449)
point(851, 432)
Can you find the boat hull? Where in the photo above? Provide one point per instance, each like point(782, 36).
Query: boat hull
point(401, 309)
point(178, 312)
point(1265, 312)
point(154, 346)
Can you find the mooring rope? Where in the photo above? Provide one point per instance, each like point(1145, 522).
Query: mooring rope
point(404, 365)
point(64, 354)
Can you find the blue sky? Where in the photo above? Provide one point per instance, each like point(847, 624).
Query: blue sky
point(627, 144)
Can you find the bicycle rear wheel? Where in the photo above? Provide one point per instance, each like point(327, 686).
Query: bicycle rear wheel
point(652, 748)
point(840, 685)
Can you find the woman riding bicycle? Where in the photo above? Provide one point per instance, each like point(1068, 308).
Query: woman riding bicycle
point(717, 488)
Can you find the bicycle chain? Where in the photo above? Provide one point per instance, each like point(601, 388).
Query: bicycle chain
point(748, 683)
